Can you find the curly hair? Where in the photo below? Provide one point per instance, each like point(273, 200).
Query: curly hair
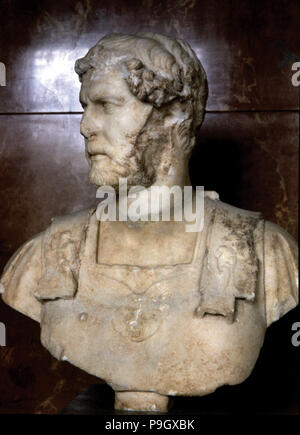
point(158, 69)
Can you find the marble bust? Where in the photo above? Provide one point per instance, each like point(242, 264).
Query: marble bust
point(152, 309)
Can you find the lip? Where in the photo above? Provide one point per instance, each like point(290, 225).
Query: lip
point(92, 153)
point(96, 156)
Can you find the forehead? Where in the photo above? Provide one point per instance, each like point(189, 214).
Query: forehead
point(104, 82)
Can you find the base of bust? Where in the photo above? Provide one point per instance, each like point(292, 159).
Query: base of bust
point(141, 401)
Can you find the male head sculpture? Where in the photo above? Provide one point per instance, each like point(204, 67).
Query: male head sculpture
point(153, 83)
point(154, 311)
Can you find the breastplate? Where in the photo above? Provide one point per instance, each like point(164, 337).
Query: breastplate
point(139, 328)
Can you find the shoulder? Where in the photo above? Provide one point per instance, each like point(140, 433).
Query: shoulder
point(236, 221)
point(232, 211)
point(23, 272)
point(281, 271)
point(20, 277)
point(61, 255)
point(72, 221)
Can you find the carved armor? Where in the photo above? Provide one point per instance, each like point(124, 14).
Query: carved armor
point(130, 319)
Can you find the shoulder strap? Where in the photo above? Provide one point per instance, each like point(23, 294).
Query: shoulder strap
point(230, 266)
point(61, 250)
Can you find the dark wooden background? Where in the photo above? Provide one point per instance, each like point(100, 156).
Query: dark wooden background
point(247, 151)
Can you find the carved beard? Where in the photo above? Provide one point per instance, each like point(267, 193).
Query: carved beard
point(108, 173)
point(140, 166)
point(152, 145)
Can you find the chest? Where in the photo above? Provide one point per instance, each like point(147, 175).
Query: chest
point(136, 326)
point(150, 338)
point(138, 246)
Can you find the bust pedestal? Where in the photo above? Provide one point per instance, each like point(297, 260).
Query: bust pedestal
point(141, 401)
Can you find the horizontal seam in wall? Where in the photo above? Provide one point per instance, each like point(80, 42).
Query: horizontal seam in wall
point(207, 111)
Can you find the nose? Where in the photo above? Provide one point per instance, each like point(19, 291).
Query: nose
point(88, 125)
point(84, 127)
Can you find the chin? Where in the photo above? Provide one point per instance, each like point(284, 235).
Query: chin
point(103, 178)
point(104, 174)
point(107, 175)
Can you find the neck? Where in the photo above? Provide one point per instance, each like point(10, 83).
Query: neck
point(157, 201)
